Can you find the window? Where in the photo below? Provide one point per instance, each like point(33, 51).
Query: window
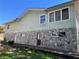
point(8, 26)
point(65, 14)
point(57, 16)
point(22, 35)
point(62, 14)
point(54, 34)
point(42, 19)
point(62, 34)
point(51, 17)
point(38, 42)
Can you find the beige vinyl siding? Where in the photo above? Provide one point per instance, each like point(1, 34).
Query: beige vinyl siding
point(31, 21)
point(68, 23)
point(76, 9)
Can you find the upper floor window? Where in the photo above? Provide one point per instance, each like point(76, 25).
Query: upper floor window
point(62, 14)
point(57, 15)
point(51, 17)
point(42, 19)
point(65, 14)
point(8, 26)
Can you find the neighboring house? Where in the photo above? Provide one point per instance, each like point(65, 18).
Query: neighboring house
point(1, 36)
point(1, 33)
point(56, 27)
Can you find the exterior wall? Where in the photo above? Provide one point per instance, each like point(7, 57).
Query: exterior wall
point(29, 26)
point(69, 23)
point(76, 5)
point(22, 37)
point(68, 43)
point(31, 22)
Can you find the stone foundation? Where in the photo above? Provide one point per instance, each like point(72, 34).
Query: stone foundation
point(49, 38)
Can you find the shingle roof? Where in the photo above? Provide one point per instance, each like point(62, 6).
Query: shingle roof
point(60, 5)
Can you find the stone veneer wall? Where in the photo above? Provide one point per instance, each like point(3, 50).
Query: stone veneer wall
point(67, 43)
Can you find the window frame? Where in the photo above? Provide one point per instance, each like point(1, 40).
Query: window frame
point(60, 14)
point(53, 18)
point(40, 19)
point(68, 13)
point(62, 34)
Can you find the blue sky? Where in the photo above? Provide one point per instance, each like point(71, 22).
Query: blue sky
point(10, 9)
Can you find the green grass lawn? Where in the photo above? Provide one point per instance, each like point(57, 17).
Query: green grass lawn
point(25, 54)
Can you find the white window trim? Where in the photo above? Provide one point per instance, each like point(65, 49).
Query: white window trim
point(49, 18)
point(49, 14)
point(23, 35)
point(39, 18)
point(68, 12)
point(60, 12)
point(60, 15)
point(54, 16)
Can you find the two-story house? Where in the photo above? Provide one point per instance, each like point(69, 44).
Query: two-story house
point(56, 27)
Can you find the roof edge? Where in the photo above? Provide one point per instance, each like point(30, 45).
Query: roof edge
point(59, 5)
point(19, 17)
